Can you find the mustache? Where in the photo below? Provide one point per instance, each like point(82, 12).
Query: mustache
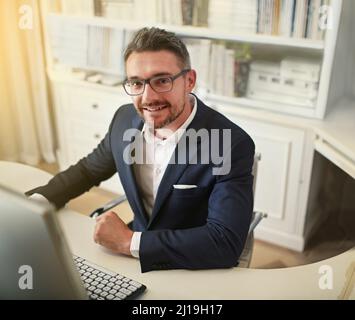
point(155, 103)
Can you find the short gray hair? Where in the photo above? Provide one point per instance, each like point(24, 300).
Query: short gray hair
point(155, 39)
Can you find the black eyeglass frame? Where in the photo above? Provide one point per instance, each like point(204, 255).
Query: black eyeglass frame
point(145, 81)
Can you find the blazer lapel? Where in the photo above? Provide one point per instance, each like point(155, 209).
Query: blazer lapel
point(127, 174)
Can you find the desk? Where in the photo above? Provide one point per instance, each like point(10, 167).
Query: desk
point(300, 282)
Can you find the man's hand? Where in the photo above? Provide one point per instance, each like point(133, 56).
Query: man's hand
point(112, 233)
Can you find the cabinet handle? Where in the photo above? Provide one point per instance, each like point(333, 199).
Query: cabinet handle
point(95, 106)
point(96, 136)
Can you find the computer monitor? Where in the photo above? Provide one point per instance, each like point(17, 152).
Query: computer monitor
point(35, 261)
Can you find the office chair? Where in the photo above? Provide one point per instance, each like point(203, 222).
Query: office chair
point(245, 257)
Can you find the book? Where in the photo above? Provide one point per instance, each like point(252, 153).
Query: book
point(301, 68)
point(187, 9)
point(241, 76)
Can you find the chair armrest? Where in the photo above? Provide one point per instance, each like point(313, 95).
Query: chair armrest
point(257, 217)
point(108, 206)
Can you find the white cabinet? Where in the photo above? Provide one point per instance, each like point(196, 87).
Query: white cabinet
point(279, 180)
point(83, 116)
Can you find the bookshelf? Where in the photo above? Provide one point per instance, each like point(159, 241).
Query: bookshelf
point(195, 32)
point(322, 49)
point(286, 134)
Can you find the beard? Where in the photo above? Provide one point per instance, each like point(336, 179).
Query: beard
point(174, 113)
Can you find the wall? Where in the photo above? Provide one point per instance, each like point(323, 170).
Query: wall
point(352, 57)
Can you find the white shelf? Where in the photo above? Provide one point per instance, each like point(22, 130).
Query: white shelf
point(279, 107)
point(68, 78)
point(197, 32)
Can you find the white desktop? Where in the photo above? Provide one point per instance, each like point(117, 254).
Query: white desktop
point(302, 282)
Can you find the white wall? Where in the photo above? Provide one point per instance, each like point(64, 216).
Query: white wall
point(353, 64)
point(352, 54)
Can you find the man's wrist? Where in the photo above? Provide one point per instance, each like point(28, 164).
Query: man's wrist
point(135, 243)
point(127, 247)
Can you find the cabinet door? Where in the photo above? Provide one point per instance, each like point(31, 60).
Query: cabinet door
point(278, 179)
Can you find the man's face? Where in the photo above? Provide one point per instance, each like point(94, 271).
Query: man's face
point(160, 109)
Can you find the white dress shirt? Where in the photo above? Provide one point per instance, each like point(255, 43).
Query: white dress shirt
point(157, 154)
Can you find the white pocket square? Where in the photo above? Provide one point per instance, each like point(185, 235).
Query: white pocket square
point(184, 186)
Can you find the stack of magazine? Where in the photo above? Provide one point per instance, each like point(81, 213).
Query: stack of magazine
point(292, 81)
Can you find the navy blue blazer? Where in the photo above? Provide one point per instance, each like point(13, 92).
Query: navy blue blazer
point(204, 227)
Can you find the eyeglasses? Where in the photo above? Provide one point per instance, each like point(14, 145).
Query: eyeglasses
point(135, 87)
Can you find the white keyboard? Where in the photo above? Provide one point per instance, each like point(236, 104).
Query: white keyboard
point(103, 284)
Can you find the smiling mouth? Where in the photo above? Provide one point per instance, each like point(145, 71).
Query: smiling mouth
point(155, 109)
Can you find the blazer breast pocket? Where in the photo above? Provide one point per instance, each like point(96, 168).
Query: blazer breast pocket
point(192, 192)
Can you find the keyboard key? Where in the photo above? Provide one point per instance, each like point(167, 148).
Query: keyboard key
point(100, 286)
point(117, 287)
point(88, 280)
point(91, 288)
point(126, 280)
point(102, 269)
point(94, 296)
point(125, 291)
point(132, 288)
point(101, 274)
point(90, 269)
point(110, 297)
point(82, 266)
point(110, 284)
point(95, 272)
point(104, 282)
point(113, 291)
point(124, 285)
point(98, 279)
point(118, 282)
point(106, 277)
point(120, 295)
point(94, 283)
point(106, 289)
point(119, 277)
point(135, 283)
point(98, 291)
point(103, 294)
point(92, 276)
point(86, 274)
point(100, 298)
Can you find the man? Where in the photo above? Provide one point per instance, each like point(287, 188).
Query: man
point(188, 212)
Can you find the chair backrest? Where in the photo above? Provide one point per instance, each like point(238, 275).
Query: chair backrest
point(245, 257)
